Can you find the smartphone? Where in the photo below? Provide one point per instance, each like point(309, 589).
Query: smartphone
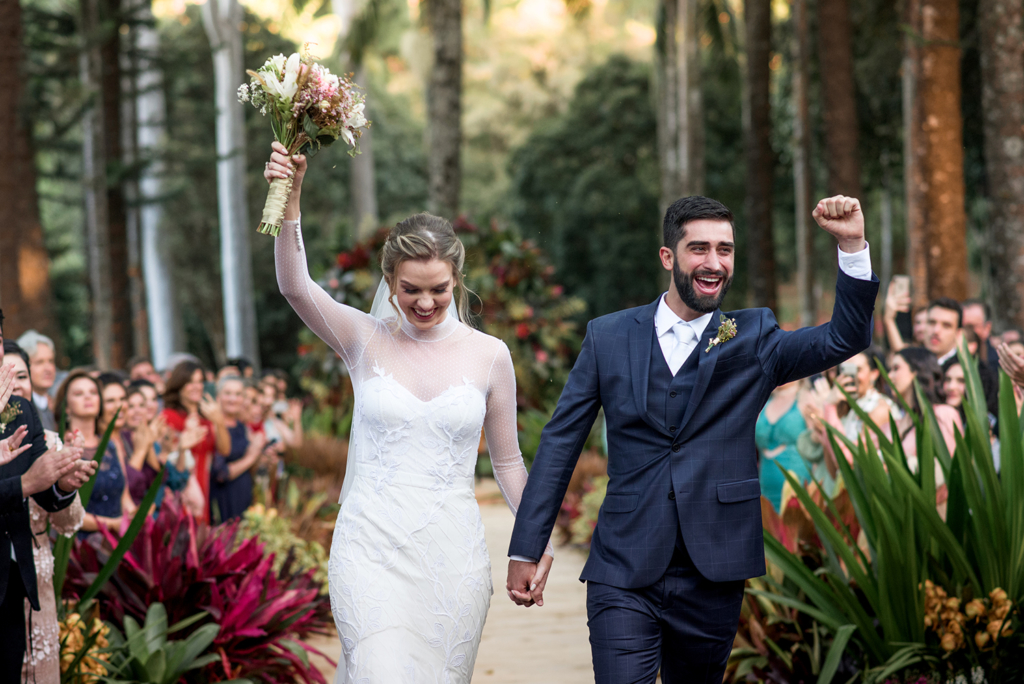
point(900, 285)
point(848, 368)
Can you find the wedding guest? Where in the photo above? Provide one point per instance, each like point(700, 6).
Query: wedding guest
point(230, 480)
point(283, 418)
point(917, 363)
point(978, 319)
point(954, 386)
point(49, 476)
point(141, 437)
point(83, 400)
point(860, 378)
point(185, 406)
point(42, 659)
point(151, 394)
point(141, 368)
point(40, 351)
point(776, 433)
point(244, 366)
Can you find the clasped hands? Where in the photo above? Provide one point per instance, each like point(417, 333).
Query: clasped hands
point(526, 581)
point(62, 466)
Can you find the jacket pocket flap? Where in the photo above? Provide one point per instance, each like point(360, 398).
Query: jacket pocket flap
point(731, 492)
point(620, 503)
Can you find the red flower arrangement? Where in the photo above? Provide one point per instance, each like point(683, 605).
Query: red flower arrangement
point(190, 567)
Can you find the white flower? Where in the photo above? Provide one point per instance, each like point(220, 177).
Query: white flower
point(284, 89)
point(277, 61)
point(243, 92)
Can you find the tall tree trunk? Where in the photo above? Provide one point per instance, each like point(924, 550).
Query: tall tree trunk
point(24, 263)
point(130, 156)
point(221, 19)
point(444, 107)
point(165, 330)
point(760, 160)
point(802, 176)
point(680, 103)
point(110, 61)
point(94, 183)
point(1002, 70)
point(937, 140)
point(839, 95)
point(913, 156)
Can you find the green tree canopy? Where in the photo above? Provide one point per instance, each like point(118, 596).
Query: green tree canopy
point(586, 185)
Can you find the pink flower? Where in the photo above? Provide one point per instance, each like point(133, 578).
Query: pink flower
point(542, 356)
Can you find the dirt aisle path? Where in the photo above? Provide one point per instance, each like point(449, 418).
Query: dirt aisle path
point(546, 645)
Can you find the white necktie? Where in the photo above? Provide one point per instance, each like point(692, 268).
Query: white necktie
point(684, 345)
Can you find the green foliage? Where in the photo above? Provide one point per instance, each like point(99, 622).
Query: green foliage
point(976, 551)
point(277, 534)
point(586, 184)
point(145, 655)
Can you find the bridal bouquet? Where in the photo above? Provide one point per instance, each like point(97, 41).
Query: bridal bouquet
point(309, 108)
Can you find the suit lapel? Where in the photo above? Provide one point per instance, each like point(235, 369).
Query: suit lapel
point(641, 346)
point(705, 367)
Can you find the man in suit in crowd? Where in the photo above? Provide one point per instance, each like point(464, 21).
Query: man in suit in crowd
point(51, 478)
point(682, 386)
point(43, 357)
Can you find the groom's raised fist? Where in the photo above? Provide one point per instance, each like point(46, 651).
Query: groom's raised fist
point(842, 217)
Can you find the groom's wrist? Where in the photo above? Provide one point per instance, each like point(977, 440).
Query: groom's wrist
point(522, 559)
point(853, 245)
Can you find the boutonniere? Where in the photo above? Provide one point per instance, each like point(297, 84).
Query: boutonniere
point(8, 414)
point(726, 332)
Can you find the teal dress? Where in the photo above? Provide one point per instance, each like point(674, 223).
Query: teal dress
point(784, 432)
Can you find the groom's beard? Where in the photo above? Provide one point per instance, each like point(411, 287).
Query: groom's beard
point(693, 299)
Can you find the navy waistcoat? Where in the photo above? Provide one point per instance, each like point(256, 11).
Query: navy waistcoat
point(668, 396)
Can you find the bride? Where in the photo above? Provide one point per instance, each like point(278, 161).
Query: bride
point(409, 574)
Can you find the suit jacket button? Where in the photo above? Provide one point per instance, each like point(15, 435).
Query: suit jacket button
point(672, 429)
point(672, 496)
point(672, 394)
point(676, 447)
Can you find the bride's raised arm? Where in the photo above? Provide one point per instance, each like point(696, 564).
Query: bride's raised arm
point(344, 328)
point(501, 432)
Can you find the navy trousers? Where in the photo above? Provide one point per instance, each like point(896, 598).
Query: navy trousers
point(12, 627)
point(683, 625)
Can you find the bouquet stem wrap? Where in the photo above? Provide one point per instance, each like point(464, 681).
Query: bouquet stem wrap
point(277, 202)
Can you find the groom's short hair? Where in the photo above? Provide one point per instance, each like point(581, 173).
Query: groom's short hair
point(689, 209)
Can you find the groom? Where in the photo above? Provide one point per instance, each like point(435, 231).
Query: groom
point(681, 388)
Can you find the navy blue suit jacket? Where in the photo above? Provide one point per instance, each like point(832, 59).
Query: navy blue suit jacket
point(709, 464)
point(15, 526)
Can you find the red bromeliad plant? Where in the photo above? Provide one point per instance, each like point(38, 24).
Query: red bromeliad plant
point(191, 567)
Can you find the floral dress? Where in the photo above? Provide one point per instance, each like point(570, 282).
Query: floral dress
point(42, 655)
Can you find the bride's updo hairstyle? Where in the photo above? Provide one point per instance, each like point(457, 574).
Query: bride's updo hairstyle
point(424, 237)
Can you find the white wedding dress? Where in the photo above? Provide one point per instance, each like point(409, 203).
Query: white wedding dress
point(409, 573)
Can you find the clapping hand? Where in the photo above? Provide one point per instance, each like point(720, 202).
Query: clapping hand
point(193, 434)
point(7, 374)
point(11, 448)
point(211, 409)
point(842, 218)
point(1012, 363)
point(74, 443)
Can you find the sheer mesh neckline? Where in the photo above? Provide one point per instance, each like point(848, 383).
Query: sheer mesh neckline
point(435, 333)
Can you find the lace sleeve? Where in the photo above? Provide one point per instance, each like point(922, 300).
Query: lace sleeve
point(501, 433)
point(68, 520)
point(345, 329)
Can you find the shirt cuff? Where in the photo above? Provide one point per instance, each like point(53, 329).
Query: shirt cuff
point(856, 265)
point(59, 495)
point(522, 559)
